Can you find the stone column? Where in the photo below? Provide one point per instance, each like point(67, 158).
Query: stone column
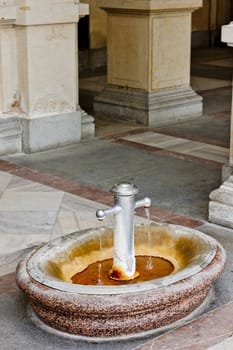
point(38, 74)
point(10, 126)
point(221, 199)
point(227, 37)
point(148, 61)
point(47, 75)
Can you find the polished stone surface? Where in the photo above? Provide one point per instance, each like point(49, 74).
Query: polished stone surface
point(86, 164)
point(31, 213)
point(181, 145)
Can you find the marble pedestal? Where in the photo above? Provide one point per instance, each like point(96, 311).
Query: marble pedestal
point(148, 62)
point(221, 204)
point(148, 108)
point(221, 199)
point(51, 131)
point(39, 107)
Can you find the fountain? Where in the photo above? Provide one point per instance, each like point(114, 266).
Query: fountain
point(130, 281)
point(124, 206)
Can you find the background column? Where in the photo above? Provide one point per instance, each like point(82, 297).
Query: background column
point(221, 199)
point(148, 62)
point(10, 126)
point(46, 34)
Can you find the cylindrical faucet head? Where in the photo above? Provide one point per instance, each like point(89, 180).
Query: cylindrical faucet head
point(124, 189)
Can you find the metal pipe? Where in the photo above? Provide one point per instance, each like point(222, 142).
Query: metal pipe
point(145, 202)
point(124, 266)
point(102, 213)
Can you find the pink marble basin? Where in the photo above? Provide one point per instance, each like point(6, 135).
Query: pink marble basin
point(132, 310)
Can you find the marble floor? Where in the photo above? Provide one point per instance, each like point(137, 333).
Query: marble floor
point(34, 212)
point(180, 146)
point(31, 213)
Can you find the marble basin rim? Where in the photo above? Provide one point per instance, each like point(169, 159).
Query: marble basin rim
point(105, 313)
point(36, 264)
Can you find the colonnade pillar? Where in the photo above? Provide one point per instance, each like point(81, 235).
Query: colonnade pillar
point(38, 73)
point(148, 61)
point(221, 199)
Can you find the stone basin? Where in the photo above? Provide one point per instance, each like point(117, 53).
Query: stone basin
point(103, 312)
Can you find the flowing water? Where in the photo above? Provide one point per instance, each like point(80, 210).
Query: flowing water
point(149, 265)
point(99, 282)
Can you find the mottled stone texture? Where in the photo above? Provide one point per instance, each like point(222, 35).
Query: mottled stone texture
point(110, 315)
point(155, 108)
point(10, 136)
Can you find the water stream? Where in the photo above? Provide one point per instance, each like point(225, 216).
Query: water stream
point(149, 265)
point(99, 282)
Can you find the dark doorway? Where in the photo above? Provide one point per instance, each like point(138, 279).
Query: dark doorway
point(83, 33)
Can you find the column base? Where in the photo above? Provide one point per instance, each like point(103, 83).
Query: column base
point(227, 171)
point(88, 125)
point(52, 131)
point(10, 135)
point(148, 108)
point(221, 204)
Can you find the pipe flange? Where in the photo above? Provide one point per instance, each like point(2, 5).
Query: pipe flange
point(124, 189)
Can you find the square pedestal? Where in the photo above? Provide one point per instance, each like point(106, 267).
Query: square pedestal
point(148, 108)
point(51, 131)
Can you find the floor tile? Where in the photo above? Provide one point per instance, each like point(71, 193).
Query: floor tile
point(184, 146)
point(181, 145)
point(5, 179)
point(30, 201)
point(19, 184)
point(66, 223)
point(13, 242)
point(220, 155)
point(202, 84)
point(7, 283)
point(224, 62)
point(24, 222)
point(9, 261)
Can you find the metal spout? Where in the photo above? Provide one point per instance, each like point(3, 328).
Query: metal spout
point(146, 203)
point(101, 214)
point(124, 266)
